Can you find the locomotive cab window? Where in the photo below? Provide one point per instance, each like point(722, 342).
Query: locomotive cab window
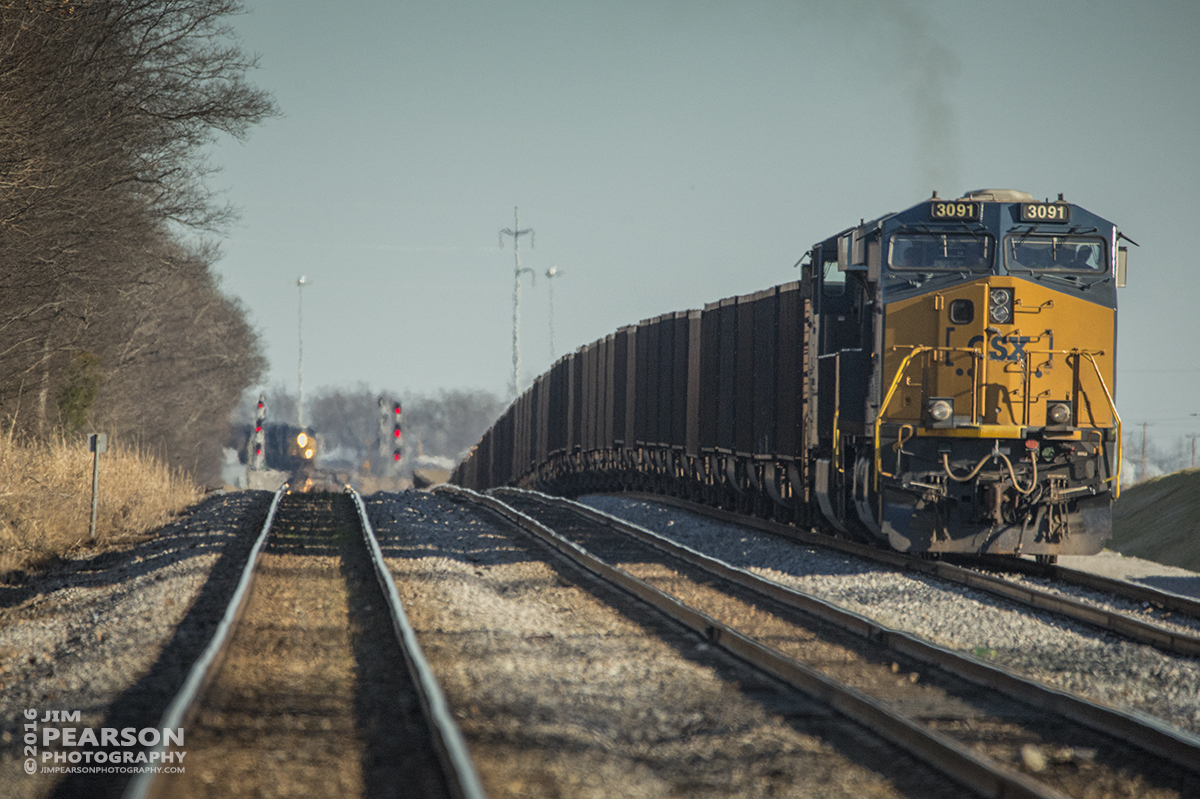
point(834, 280)
point(1072, 254)
point(940, 252)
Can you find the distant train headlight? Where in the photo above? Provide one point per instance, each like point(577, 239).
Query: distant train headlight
point(940, 411)
point(308, 453)
point(302, 440)
point(1001, 310)
point(1058, 413)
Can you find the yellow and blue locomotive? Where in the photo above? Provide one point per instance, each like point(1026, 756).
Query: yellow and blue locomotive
point(939, 379)
point(983, 420)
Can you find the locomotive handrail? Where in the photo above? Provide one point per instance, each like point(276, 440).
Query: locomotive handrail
point(887, 399)
point(1115, 477)
point(916, 350)
point(1112, 406)
point(1027, 380)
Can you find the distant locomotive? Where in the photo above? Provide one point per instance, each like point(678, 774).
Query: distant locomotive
point(285, 447)
point(940, 380)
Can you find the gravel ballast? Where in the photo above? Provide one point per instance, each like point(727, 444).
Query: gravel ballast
point(563, 687)
point(1042, 646)
point(112, 635)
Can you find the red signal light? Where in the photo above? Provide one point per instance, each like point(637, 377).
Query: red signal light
point(396, 456)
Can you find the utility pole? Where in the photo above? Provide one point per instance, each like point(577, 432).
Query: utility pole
point(1193, 438)
point(300, 324)
point(1142, 473)
point(552, 273)
point(516, 234)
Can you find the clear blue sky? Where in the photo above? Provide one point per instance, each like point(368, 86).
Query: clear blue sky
point(671, 153)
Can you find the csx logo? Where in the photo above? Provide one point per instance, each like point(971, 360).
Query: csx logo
point(1004, 348)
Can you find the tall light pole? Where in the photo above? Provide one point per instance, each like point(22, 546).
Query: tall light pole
point(300, 325)
point(552, 273)
point(516, 234)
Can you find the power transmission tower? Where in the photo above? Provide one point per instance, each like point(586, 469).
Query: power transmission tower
point(516, 234)
point(552, 273)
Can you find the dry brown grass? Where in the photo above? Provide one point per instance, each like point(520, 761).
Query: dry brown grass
point(46, 498)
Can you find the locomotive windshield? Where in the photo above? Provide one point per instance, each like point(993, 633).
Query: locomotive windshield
point(940, 252)
point(1073, 254)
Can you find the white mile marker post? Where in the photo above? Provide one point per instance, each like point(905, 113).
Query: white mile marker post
point(97, 443)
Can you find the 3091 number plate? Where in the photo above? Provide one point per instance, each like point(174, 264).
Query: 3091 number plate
point(972, 211)
point(1045, 212)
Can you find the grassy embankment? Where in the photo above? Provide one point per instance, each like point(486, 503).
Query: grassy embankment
point(46, 499)
point(1159, 520)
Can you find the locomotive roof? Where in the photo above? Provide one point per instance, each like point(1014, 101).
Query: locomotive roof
point(829, 245)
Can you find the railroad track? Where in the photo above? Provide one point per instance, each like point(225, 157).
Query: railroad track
point(313, 683)
point(994, 732)
point(1175, 639)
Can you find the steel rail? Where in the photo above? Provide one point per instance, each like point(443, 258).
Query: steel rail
point(205, 666)
point(1178, 643)
point(1136, 729)
point(457, 765)
point(1166, 600)
point(977, 772)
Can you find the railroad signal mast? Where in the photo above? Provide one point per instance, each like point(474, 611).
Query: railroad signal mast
point(384, 429)
point(391, 435)
point(397, 435)
point(258, 458)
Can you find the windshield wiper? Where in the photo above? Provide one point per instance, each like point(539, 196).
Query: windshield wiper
point(1074, 281)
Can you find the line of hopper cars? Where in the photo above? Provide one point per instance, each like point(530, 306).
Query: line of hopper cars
point(939, 380)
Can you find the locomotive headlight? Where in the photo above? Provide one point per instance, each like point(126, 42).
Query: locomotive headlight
point(1058, 413)
point(1001, 306)
point(940, 411)
point(302, 440)
point(308, 453)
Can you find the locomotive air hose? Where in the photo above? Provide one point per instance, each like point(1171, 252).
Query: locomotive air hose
point(956, 478)
point(1012, 474)
point(986, 458)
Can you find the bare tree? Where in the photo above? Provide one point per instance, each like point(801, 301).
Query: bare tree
point(106, 107)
